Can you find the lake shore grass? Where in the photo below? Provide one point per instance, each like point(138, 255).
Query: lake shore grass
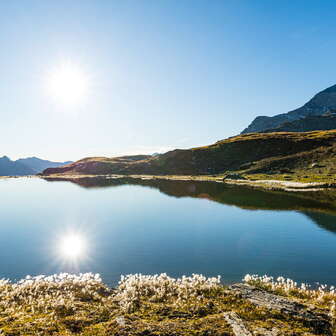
point(284, 182)
point(262, 181)
point(68, 304)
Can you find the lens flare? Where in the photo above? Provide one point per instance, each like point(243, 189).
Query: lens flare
point(67, 84)
point(72, 246)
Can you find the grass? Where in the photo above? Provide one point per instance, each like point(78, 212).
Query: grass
point(307, 157)
point(142, 305)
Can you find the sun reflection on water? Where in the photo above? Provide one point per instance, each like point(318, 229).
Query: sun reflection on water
point(72, 246)
point(72, 251)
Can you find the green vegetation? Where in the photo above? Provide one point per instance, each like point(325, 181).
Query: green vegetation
point(305, 157)
point(155, 305)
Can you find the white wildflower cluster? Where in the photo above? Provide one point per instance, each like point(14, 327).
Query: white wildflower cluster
point(321, 293)
point(64, 294)
point(285, 284)
point(161, 287)
point(57, 293)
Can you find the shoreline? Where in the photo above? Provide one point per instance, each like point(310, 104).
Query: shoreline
point(266, 184)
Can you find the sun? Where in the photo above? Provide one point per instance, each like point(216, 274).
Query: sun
point(68, 84)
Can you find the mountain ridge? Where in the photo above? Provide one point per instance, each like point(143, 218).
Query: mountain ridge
point(326, 121)
point(256, 153)
point(13, 168)
point(26, 166)
point(38, 165)
point(323, 102)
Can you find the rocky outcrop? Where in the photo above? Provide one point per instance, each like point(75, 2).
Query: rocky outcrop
point(237, 325)
point(310, 317)
point(311, 123)
point(323, 102)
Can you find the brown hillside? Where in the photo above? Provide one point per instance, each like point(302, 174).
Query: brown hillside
point(269, 153)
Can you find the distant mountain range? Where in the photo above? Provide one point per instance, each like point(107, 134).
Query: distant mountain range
point(317, 114)
point(308, 153)
point(28, 166)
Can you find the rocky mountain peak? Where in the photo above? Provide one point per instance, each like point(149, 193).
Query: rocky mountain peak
point(323, 102)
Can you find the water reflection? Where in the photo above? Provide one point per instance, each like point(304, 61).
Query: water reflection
point(72, 246)
point(319, 206)
point(115, 227)
point(69, 248)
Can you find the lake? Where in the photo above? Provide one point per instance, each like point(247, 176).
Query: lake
point(133, 226)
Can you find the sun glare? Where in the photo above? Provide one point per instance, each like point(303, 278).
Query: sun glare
point(68, 84)
point(72, 246)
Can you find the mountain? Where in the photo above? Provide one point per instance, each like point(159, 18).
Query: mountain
point(266, 153)
point(38, 165)
point(323, 102)
point(325, 121)
point(28, 166)
point(12, 168)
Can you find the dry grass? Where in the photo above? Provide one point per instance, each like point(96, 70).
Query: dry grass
point(143, 305)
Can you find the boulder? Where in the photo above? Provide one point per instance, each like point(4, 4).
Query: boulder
point(237, 325)
point(312, 318)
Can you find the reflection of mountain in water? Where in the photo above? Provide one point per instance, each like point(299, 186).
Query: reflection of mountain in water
point(322, 213)
point(324, 220)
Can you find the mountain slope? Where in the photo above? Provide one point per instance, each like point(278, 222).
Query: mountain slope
point(251, 153)
point(28, 166)
point(323, 102)
point(13, 168)
point(38, 165)
point(325, 121)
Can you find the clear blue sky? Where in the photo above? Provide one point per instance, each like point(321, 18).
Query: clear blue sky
point(162, 73)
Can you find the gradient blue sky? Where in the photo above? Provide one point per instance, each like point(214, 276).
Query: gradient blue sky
point(163, 74)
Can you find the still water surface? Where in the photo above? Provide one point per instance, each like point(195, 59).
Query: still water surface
point(119, 227)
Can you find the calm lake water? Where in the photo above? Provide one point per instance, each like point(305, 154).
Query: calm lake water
point(152, 227)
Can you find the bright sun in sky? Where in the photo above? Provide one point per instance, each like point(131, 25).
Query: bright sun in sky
point(72, 246)
point(68, 84)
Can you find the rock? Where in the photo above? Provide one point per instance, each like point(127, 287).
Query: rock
point(233, 176)
point(121, 321)
point(307, 124)
point(236, 324)
point(311, 318)
point(239, 328)
point(266, 332)
point(320, 104)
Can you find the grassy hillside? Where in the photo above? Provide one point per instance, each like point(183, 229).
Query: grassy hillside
point(303, 155)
